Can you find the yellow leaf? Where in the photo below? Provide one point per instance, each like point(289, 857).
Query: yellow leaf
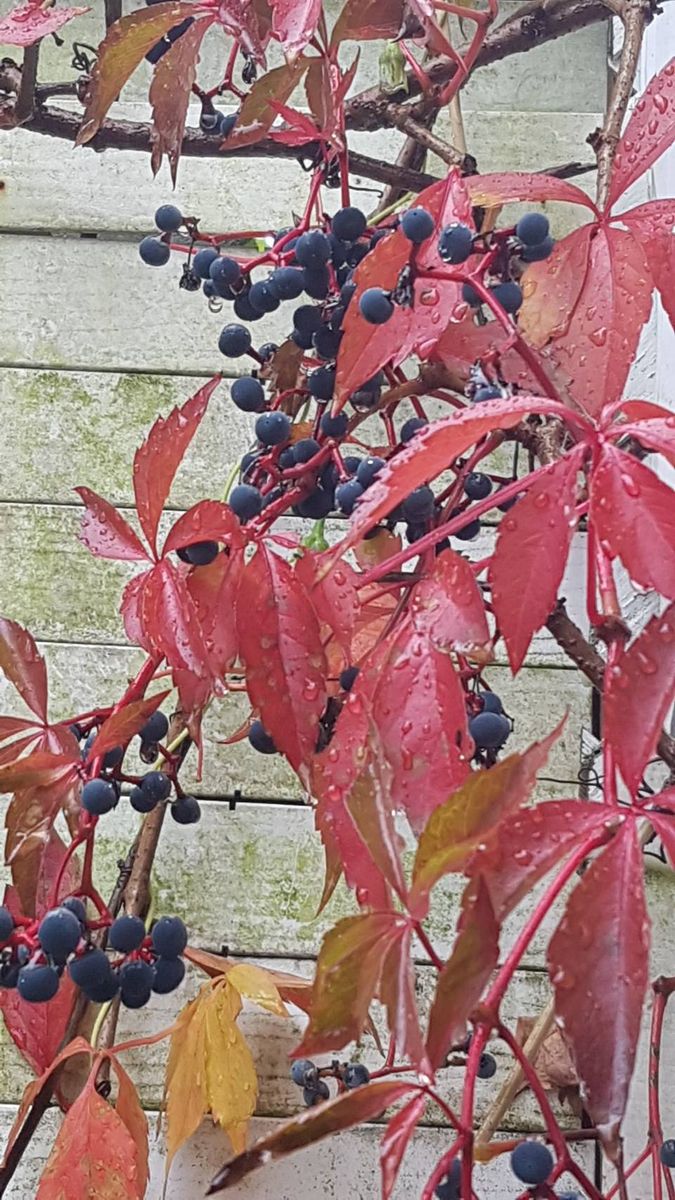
point(231, 1083)
point(186, 1076)
point(257, 985)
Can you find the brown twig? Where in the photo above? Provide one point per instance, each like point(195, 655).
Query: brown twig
point(113, 12)
point(516, 1077)
point(25, 100)
point(635, 15)
point(430, 141)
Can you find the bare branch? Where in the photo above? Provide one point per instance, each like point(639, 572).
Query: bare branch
point(635, 15)
point(430, 141)
point(25, 100)
point(113, 12)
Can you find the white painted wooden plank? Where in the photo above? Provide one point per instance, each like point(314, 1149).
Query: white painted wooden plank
point(340, 1167)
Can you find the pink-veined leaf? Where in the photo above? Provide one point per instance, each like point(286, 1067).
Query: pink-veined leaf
point(40, 769)
point(447, 607)
point(280, 644)
point(50, 868)
point(640, 410)
point(370, 806)
point(11, 725)
point(37, 1030)
point(94, 1152)
point(294, 23)
point(105, 532)
point(551, 289)
point(598, 963)
point(490, 191)
point(433, 449)
point(531, 554)
point(169, 619)
point(121, 51)
point(528, 843)
point(601, 339)
point(638, 693)
point(158, 459)
point(368, 20)
point(250, 21)
point(420, 714)
point(649, 132)
point(213, 589)
point(396, 1139)
point(462, 342)
point(300, 129)
point(120, 727)
point(319, 89)
point(455, 829)
point(634, 517)
point(79, 1045)
point(663, 821)
point(257, 113)
point(24, 667)
point(128, 1109)
point(655, 434)
point(398, 994)
point(351, 1108)
point(170, 93)
point(130, 609)
point(207, 521)
point(652, 225)
point(28, 23)
point(463, 978)
point(332, 594)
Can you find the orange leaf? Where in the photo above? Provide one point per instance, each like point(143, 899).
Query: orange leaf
point(129, 1110)
point(77, 1046)
point(170, 92)
point(94, 1155)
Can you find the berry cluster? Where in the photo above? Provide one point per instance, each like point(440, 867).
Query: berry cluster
point(35, 954)
point(312, 1079)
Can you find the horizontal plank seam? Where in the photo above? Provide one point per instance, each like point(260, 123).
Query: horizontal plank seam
point(95, 369)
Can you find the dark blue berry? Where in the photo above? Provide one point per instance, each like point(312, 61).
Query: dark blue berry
point(491, 702)
point(477, 486)
point(199, 554)
point(286, 459)
point(248, 394)
point(169, 937)
point(347, 494)
point(375, 306)
point(203, 261)
point(248, 461)
point(348, 678)
point(509, 295)
point(37, 984)
point(186, 811)
point(355, 253)
point(156, 785)
point(140, 802)
point(667, 1153)
point(368, 469)
point(312, 249)
point(244, 309)
point(155, 728)
point(317, 505)
point(77, 907)
point(307, 318)
point(227, 123)
point(455, 243)
point(335, 427)
point(260, 739)
point(469, 531)
point(538, 253)
point(135, 999)
point(127, 933)
point(209, 120)
point(419, 504)
point(99, 797)
point(160, 48)
point(532, 228)
point(136, 978)
point(6, 924)
point(286, 283)
point(113, 757)
point(417, 225)
point(223, 272)
point(489, 730)
point(470, 296)
point(338, 251)
point(488, 391)
point(316, 1094)
point(321, 382)
point(348, 224)
point(262, 298)
point(356, 1075)
point(412, 426)
point(302, 339)
point(169, 973)
point(245, 501)
point(450, 1187)
point(59, 932)
point(234, 341)
point(316, 282)
point(326, 342)
point(347, 291)
point(304, 1072)
point(103, 992)
point(351, 463)
point(273, 428)
point(168, 218)
point(208, 289)
point(531, 1162)
point(90, 969)
point(154, 252)
point(487, 1066)
point(304, 450)
point(267, 351)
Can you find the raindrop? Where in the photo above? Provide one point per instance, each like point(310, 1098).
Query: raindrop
point(599, 336)
point(660, 101)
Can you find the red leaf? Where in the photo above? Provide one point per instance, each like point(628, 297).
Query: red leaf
point(658, 434)
point(634, 517)
point(294, 23)
point(40, 769)
point(638, 694)
point(649, 132)
point(432, 451)
point(169, 619)
point(78, 1046)
point(664, 824)
point(170, 92)
point(455, 829)
point(490, 191)
point(333, 595)
point(465, 974)
point(368, 20)
point(351, 1108)
point(551, 289)
point(11, 725)
point(395, 1140)
point(652, 225)
point(158, 459)
point(37, 1030)
point(130, 609)
point(207, 521)
point(600, 342)
point(419, 704)
point(28, 23)
point(598, 963)
point(369, 805)
point(300, 129)
point(447, 607)
point(280, 645)
point(24, 666)
point(51, 862)
point(121, 51)
point(128, 1109)
point(531, 553)
point(214, 592)
point(248, 22)
point(257, 114)
point(398, 994)
point(120, 727)
point(105, 532)
point(528, 843)
point(94, 1152)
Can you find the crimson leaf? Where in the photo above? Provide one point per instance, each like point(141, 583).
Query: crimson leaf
point(24, 666)
point(105, 532)
point(633, 514)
